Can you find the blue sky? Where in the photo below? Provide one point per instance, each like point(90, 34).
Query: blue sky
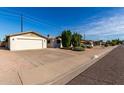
point(97, 23)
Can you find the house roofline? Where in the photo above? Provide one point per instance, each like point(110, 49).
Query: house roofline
point(21, 33)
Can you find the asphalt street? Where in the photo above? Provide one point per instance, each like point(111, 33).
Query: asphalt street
point(107, 71)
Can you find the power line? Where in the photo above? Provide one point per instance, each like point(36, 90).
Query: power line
point(30, 18)
point(7, 13)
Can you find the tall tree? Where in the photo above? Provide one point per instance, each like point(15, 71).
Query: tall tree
point(76, 38)
point(66, 38)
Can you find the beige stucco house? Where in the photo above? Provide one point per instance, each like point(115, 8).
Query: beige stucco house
point(26, 41)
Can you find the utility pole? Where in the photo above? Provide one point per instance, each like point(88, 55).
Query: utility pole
point(21, 23)
point(84, 36)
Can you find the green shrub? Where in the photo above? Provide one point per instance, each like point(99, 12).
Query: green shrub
point(78, 49)
point(116, 42)
point(113, 43)
point(83, 46)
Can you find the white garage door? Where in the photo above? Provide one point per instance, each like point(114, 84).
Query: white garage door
point(28, 43)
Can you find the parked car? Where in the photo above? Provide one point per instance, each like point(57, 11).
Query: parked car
point(88, 46)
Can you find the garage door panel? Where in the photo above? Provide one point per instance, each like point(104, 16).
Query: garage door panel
point(25, 44)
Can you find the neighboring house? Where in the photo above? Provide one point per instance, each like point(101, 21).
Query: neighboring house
point(26, 41)
point(2, 44)
point(99, 42)
point(54, 42)
point(87, 42)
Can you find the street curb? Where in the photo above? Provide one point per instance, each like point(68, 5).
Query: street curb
point(68, 76)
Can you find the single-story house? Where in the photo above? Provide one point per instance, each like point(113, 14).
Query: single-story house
point(2, 44)
point(54, 42)
point(87, 42)
point(99, 42)
point(26, 41)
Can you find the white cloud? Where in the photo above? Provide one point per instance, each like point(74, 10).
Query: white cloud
point(105, 26)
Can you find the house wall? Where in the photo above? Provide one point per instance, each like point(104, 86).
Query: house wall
point(26, 43)
point(8, 43)
point(54, 44)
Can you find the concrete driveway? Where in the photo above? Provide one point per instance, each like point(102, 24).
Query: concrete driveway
point(40, 66)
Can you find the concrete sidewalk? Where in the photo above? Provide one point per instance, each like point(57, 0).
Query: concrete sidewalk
point(107, 71)
point(62, 71)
